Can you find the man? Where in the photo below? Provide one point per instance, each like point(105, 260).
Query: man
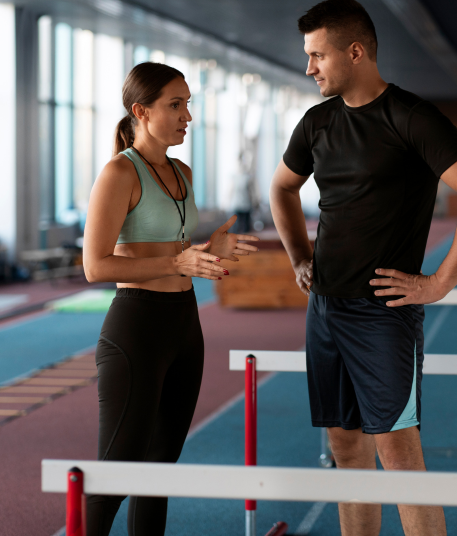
point(377, 153)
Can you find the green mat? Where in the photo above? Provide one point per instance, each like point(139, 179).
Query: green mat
point(87, 301)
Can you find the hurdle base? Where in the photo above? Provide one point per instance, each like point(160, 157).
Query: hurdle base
point(326, 461)
point(279, 529)
point(251, 523)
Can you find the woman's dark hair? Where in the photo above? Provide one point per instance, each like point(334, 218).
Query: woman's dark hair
point(144, 85)
point(347, 21)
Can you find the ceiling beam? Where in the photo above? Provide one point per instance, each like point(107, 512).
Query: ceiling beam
point(421, 25)
point(142, 15)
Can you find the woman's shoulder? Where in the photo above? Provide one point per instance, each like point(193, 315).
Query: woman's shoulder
point(184, 168)
point(119, 171)
point(120, 165)
point(120, 162)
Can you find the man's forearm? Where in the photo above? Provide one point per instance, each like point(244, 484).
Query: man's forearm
point(290, 223)
point(447, 272)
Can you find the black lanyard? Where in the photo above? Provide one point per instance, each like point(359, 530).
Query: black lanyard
point(183, 217)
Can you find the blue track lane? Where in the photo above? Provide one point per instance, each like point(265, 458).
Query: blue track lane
point(39, 342)
point(45, 340)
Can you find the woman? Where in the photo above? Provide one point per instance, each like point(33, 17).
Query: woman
point(150, 352)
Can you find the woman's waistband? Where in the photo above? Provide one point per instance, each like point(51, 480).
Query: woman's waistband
point(154, 296)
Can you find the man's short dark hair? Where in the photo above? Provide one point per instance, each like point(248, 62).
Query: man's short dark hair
point(347, 21)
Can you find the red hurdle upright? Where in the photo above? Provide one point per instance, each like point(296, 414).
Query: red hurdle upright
point(250, 426)
point(76, 503)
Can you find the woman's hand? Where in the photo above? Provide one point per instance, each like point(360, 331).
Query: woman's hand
point(226, 245)
point(195, 262)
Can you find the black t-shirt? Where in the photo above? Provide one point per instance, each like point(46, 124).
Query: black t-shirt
point(377, 168)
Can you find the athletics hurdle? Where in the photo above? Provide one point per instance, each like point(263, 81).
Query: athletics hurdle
point(261, 483)
point(278, 361)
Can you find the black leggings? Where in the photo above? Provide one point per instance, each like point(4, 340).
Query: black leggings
point(150, 363)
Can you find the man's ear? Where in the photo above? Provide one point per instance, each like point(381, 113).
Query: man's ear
point(357, 52)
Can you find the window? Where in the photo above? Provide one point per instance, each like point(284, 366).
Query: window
point(80, 103)
point(79, 94)
point(8, 122)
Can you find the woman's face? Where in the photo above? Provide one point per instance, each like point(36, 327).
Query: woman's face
point(168, 116)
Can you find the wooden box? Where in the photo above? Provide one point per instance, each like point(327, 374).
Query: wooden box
point(263, 280)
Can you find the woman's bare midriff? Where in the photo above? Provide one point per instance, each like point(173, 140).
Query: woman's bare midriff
point(174, 283)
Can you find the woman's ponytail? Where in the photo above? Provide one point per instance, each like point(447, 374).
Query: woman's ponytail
point(123, 135)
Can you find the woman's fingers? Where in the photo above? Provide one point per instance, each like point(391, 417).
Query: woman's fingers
point(247, 247)
point(209, 271)
point(210, 262)
point(208, 257)
point(201, 247)
point(249, 238)
point(228, 224)
point(209, 275)
point(204, 272)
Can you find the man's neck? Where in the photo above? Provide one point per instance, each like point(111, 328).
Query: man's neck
point(363, 93)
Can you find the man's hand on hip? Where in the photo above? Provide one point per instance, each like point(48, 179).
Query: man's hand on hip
point(416, 289)
point(304, 275)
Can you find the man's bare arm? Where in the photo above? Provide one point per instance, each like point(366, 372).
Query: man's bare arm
point(290, 222)
point(423, 288)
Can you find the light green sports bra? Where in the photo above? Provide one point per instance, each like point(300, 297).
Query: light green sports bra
point(156, 218)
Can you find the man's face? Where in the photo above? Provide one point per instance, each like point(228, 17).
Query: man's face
point(331, 68)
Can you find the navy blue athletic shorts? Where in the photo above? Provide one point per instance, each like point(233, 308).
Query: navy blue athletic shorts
point(364, 363)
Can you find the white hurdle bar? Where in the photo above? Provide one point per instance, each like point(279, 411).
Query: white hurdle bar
point(262, 483)
point(272, 361)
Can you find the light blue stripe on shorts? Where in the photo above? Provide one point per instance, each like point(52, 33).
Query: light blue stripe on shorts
point(409, 416)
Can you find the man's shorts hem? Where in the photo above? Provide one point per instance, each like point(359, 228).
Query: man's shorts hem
point(335, 424)
point(400, 425)
point(366, 429)
point(391, 428)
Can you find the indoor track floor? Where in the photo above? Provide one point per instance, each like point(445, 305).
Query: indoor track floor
point(67, 427)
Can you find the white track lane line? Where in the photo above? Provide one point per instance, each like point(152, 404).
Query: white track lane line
point(308, 521)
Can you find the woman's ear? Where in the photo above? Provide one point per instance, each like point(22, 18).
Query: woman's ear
point(140, 111)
